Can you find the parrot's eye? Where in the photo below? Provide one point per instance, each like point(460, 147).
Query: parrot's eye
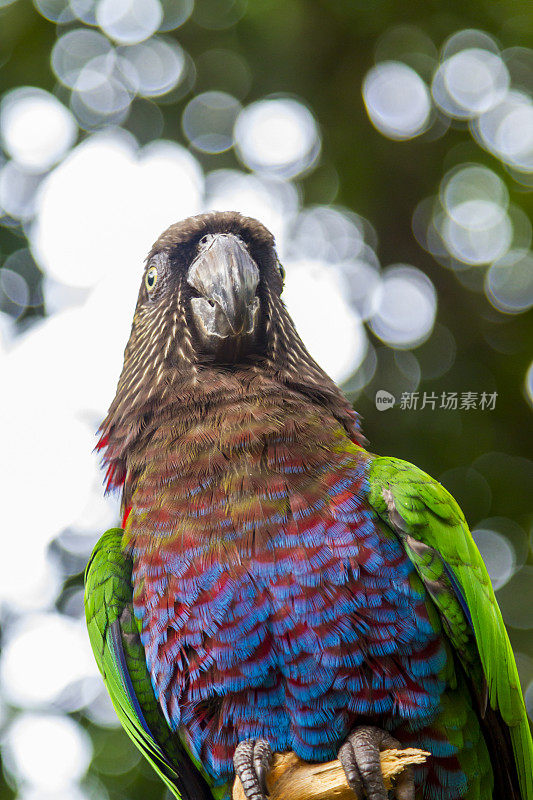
point(151, 278)
point(281, 271)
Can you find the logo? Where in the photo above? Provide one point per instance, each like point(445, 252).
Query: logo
point(384, 400)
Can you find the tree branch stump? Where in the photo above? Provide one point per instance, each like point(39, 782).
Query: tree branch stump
point(293, 779)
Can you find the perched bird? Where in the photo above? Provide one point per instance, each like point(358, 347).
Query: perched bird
point(275, 586)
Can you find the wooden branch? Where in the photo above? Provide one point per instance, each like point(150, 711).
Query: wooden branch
point(293, 779)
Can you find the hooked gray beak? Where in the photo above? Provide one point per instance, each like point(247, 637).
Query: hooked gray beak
point(226, 277)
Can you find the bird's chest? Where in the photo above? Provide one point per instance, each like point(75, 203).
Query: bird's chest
point(279, 584)
point(335, 594)
point(272, 601)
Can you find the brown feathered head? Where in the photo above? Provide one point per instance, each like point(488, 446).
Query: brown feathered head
point(209, 308)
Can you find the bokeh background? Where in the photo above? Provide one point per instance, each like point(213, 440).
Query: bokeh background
point(388, 146)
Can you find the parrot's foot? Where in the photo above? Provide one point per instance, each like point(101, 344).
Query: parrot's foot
point(252, 760)
point(359, 756)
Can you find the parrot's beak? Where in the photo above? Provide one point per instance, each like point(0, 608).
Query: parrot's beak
point(226, 278)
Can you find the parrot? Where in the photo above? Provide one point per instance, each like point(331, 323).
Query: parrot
point(275, 586)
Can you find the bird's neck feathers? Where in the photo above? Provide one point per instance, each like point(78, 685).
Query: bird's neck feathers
point(209, 393)
point(165, 382)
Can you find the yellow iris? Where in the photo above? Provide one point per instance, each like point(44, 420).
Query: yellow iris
point(151, 278)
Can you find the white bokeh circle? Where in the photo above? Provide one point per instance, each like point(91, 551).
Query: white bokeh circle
point(64, 657)
point(129, 21)
point(277, 135)
point(406, 306)
point(36, 129)
point(47, 750)
point(397, 100)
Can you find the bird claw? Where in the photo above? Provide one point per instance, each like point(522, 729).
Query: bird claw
point(359, 756)
point(252, 760)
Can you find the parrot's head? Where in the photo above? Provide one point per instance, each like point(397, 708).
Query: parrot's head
point(210, 312)
point(216, 273)
point(210, 297)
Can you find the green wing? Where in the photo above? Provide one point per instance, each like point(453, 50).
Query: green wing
point(437, 540)
point(121, 660)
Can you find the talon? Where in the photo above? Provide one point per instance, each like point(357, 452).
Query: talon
point(252, 761)
point(359, 756)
